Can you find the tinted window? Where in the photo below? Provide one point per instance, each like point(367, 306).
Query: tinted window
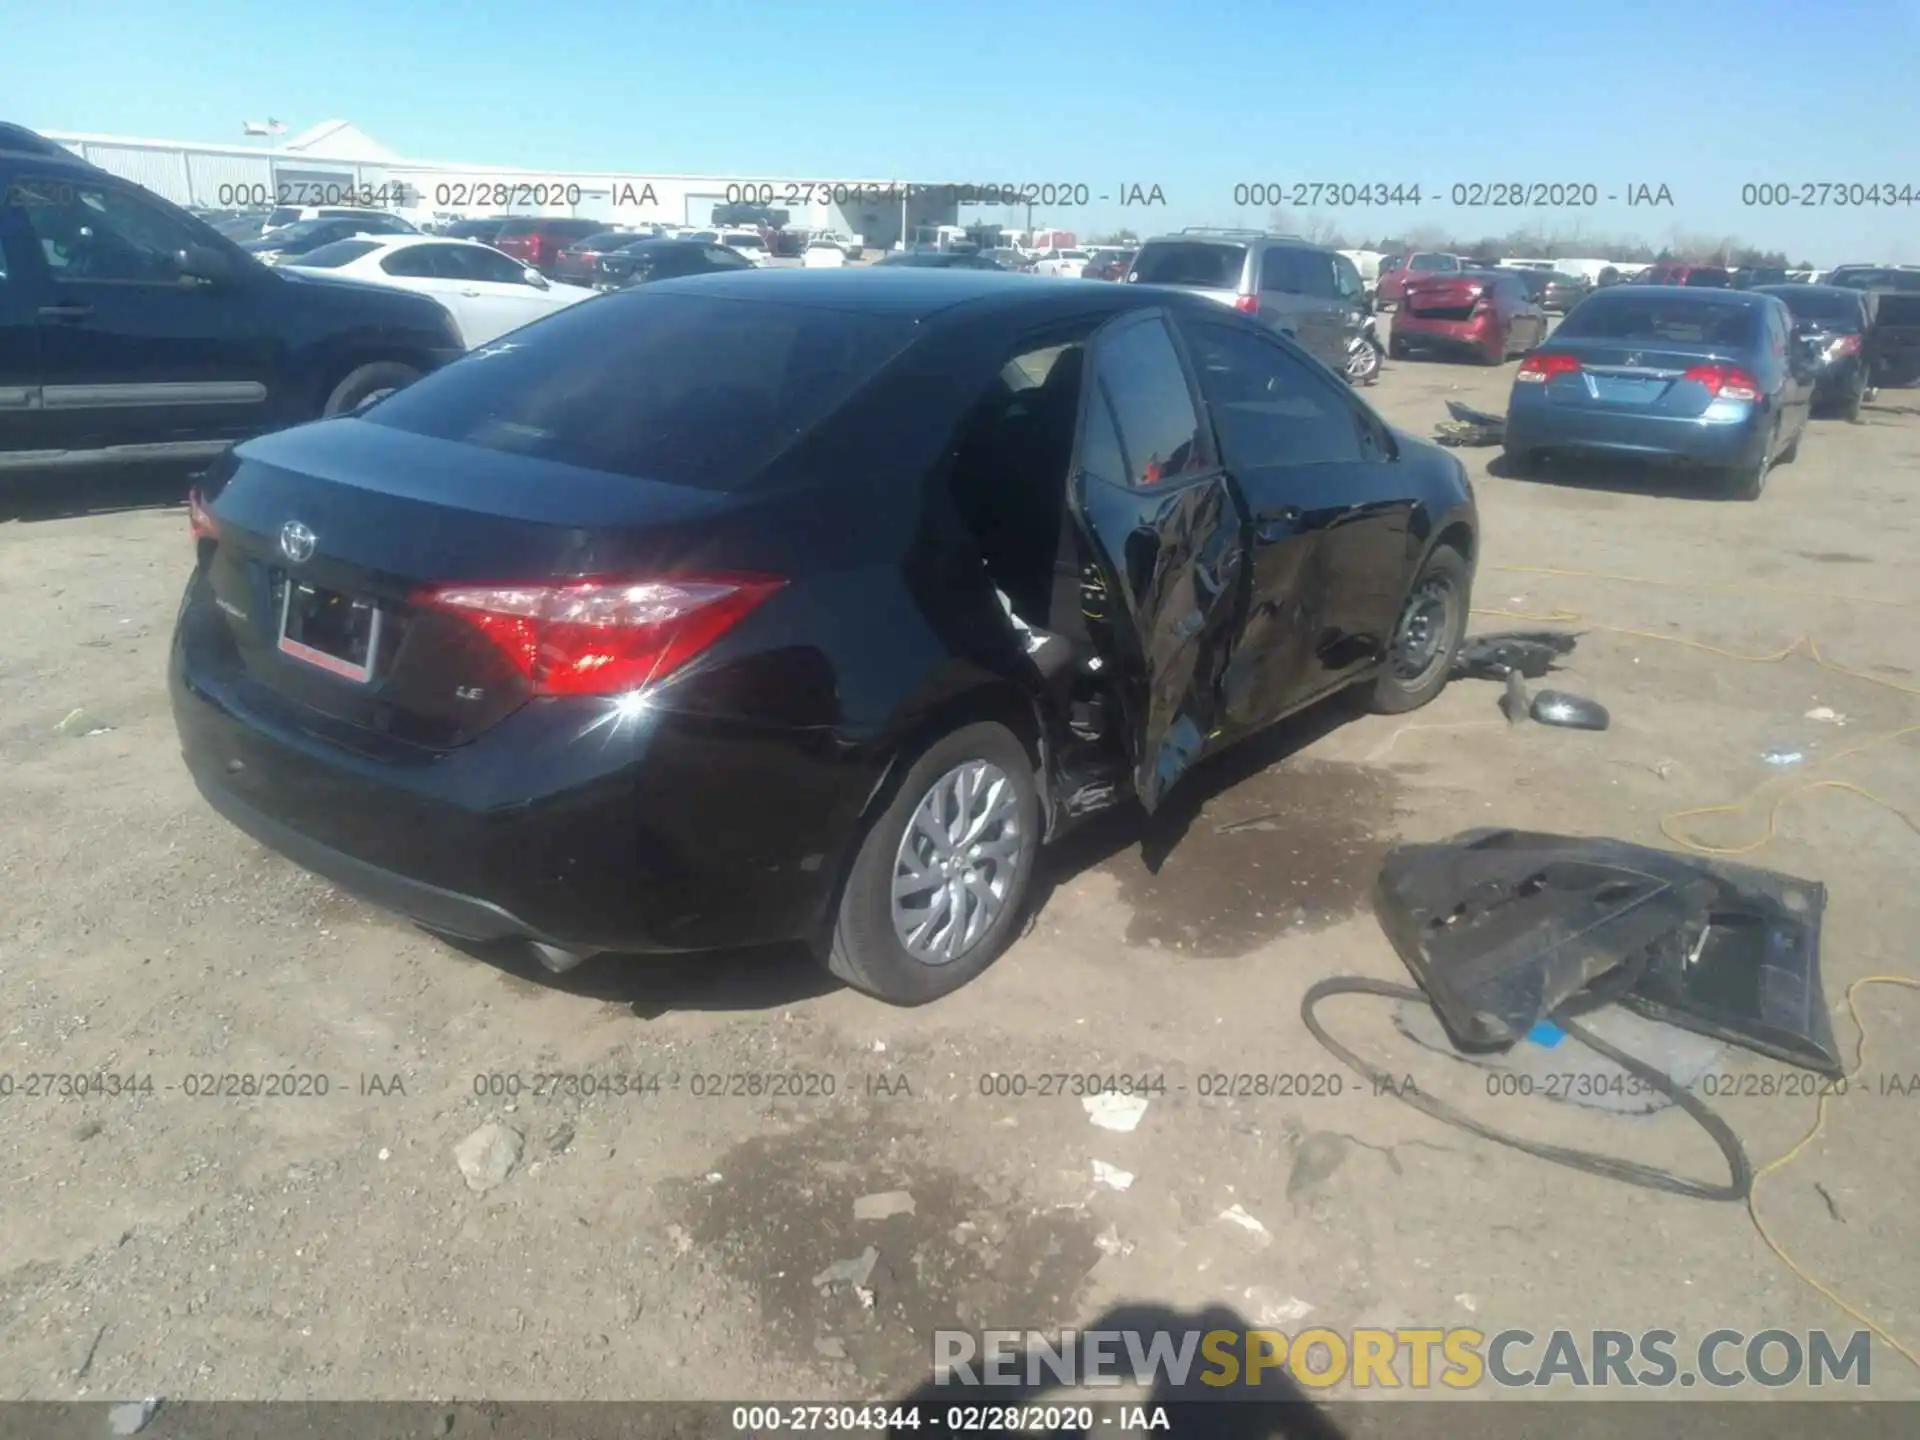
point(1100, 453)
point(418, 262)
point(573, 229)
point(340, 252)
point(606, 240)
point(477, 262)
point(680, 388)
point(96, 233)
point(718, 257)
point(1297, 272)
point(1141, 376)
point(1191, 262)
point(1709, 276)
point(1434, 262)
point(1268, 408)
point(1623, 316)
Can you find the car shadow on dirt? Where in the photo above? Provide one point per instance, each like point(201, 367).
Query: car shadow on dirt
point(1652, 481)
point(1271, 1406)
point(95, 492)
point(769, 977)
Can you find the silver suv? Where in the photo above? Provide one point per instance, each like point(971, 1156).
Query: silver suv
point(1308, 291)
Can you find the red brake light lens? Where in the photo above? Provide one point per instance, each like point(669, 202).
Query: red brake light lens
point(1247, 304)
point(1541, 367)
point(1845, 345)
point(606, 636)
point(1725, 382)
point(199, 518)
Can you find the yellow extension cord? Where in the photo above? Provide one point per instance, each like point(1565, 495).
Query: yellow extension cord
point(1668, 828)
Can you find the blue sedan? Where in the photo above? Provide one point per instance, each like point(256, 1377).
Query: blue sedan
point(1707, 378)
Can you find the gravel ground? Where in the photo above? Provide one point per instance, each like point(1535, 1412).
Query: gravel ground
point(666, 1243)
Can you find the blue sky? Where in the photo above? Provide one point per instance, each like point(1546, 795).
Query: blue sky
point(1195, 97)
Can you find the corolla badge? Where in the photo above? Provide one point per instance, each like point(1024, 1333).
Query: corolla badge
point(296, 542)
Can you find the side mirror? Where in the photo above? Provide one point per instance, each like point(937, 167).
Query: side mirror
point(202, 264)
point(536, 279)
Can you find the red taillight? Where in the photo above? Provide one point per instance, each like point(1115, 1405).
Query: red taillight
point(603, 637)
point(1845, 345)
point(1725, 382)
point(199, 518)
point(1247, 304)
point(1541, 367)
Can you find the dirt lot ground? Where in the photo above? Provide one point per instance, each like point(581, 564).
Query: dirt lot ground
point(665, 1244)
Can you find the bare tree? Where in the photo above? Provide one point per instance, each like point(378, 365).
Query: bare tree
point(1321, 230)
point(1280, 220)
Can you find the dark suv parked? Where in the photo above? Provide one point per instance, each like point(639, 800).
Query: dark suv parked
point(131, 332)
point(1301, 289)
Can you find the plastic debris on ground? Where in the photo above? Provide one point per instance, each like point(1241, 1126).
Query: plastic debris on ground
point(1111, 1111)
point(1112, 1176)
point(1534, 653)
point(1783, 756)
point(1504, 928)
point(1573, 1074)
point(1237, 1215)
point(1470, 426)
point(1826, 714)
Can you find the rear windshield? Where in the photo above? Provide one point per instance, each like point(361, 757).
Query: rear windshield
point(1191, 262)
point(1434, 262)
point(1720, 279)
point(608, 240)
point(1615, 315)
point(340, 252)
point(690, 390)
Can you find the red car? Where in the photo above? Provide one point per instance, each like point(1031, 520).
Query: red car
point(1487, 315)
point(538, 242)
point(1672, 272)
point(1397, 270)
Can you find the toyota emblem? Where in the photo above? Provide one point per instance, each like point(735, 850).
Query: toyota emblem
point(296, 542)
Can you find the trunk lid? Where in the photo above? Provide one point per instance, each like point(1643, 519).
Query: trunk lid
point(382, 513)
point(1650, 376)
point(1444, 297)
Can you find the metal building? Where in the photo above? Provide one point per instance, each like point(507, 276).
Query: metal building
point(337, 162)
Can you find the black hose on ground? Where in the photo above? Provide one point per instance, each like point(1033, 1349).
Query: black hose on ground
point(1631, 1172)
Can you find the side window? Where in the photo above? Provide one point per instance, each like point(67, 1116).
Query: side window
point(1140, 374)
point(1346, 280)
point(416, 262)
point(1100, 452)
point(1269, 408)
point(480, 263)
point(101, 234)
point(722, 258)
point(1297, 272)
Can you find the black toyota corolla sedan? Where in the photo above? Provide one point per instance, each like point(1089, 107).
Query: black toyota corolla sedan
point(796, 605)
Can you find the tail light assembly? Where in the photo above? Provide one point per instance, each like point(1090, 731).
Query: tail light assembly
point(200, 518)
point(1725, 382)
point(603, 636)
point(1542, 366)
point(1245, 304)
point(1843, 345)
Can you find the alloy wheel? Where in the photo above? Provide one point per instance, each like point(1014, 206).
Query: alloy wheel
point(954, 870)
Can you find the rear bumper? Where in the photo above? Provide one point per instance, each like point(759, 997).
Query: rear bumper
point(1534, 423)
point(662, 834)
point(1481, 333)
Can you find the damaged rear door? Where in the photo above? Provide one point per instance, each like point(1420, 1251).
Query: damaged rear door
point(1168, 547)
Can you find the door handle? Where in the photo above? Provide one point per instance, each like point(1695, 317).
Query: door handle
point(65, 312)
point(471, 294)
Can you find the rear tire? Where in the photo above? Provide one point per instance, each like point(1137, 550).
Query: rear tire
point(1747, 483)
point(365, 383)
point(1397, 348)
point(1424, 641)
point(869, 949)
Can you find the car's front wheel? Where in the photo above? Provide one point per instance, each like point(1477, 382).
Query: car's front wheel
point(1427, 636)
point(936, 889)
